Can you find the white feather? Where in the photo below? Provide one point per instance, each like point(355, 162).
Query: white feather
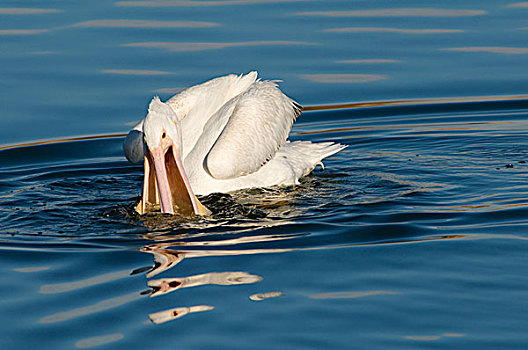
point(196, 105)
point(293, 161)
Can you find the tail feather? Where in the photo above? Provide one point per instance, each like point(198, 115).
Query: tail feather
point(304, 156)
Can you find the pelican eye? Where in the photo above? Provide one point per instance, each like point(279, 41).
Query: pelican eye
point(163, 135)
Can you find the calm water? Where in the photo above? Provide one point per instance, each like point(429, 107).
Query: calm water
point(413, 237)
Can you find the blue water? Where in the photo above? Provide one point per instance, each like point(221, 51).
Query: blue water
point(415, 236)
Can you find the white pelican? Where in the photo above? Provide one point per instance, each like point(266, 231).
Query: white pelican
point(223, 135)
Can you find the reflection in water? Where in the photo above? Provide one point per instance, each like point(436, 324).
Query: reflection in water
point(32, 269)
point(43, 53)
point(489, 206)
point(446, 100)
point(134, 72)
point(165, 229)
point(170, 258)
point(351, 295)
point(433, 337)
point(98, 341)
point(91, 309)
point(401, 12)
point(26, 11)
point(129, 23)
point(22, 31)
point(519, 5)
point(491, 49)
point(88, 282)
point(168, 285)
point(163, 259)
point(193, 3)
point(172, 314)
point(189, 243)
point(343, 78)
point(422, 337)
point(202, 46)
point(430, 129)
point(368, 61)
point(117, 23)
point(392, 30)
point(166, 259)
point(69, 139)
point(174, 248)
point(329, 107)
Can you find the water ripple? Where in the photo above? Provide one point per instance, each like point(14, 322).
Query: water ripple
point(491, 49)
point(26, 11)
point(404, 174)
point(392, 30)
point(129, 23)
point(400, 12)
point(201, 46)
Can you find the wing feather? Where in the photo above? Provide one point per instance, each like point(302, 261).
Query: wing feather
point(196, 105)
point(258, 126)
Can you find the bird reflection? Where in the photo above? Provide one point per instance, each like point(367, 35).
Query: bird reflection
point(169, 254)
point(163, 259)
point(166, 258)
point(167, 285)
point(177, 312)
point(169, 251)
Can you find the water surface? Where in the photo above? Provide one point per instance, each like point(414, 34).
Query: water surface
point(414, 236)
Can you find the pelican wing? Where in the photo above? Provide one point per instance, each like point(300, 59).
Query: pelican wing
point(258, 124)
point(196, 105)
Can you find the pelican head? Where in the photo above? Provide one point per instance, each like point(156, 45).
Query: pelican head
point(165, 180)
